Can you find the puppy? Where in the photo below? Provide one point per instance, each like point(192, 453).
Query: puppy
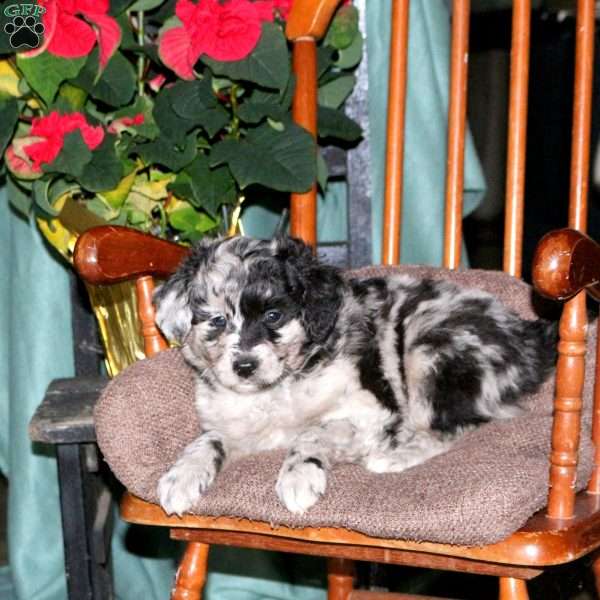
point(383, 372)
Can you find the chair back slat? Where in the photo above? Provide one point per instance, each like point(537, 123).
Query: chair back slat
point(307, 22)
point(394, 164)
point(517, 138)
point(457, 112)
point(303, 206)
point(582, 114)
point(571, 349)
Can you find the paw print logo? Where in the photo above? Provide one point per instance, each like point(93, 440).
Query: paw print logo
point(24, 31)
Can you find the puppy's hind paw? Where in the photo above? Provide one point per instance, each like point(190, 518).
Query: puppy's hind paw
point(300, 485)
point(181, 487)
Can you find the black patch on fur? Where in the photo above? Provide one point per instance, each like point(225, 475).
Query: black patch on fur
point(180, 283)
point(219, 454)
point(314, 461)
point(452, 390)
point(316, 288)
point(454, 385)
point(206, 380)
point(391, 429)
point(423, 291)
point(373, 379)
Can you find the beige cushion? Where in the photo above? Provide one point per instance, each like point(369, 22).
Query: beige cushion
point(479, 492)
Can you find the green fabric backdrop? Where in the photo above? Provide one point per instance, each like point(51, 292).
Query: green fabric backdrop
point(36, 345)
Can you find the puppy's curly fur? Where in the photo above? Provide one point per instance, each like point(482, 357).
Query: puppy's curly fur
point(384, 372)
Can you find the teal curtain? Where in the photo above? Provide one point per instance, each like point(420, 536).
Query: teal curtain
point(36, 345)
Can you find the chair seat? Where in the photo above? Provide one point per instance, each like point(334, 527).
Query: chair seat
point(478, 493)
point(540, 542)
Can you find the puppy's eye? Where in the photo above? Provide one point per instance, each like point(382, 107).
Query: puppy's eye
point(273, 316)
point(219, 321)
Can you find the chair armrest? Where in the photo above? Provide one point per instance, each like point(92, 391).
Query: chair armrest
point(110, 254)
point(65, 415)
point(566, 261)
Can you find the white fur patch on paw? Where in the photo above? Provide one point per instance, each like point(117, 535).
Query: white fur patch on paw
point(180, 488)
point(299, 486)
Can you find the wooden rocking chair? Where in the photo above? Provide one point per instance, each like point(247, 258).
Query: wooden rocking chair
point(567, 262)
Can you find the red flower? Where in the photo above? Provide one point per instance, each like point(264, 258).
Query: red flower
point(283, 7)
point(69, 35)
point(50, 132)
point(122, 123)
point(225, 32)
point(157, 82)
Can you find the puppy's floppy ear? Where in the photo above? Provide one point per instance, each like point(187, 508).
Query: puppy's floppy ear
point(173, 312)
point(172, 299)
point(318, 287)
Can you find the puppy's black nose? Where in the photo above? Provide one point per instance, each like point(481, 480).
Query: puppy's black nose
point(244, 366)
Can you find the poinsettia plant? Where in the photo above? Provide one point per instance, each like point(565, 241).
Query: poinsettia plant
point(165, 115)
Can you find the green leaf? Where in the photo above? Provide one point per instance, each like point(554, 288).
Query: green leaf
point(19, 198)
point(118, 6)
point(73, 97)
point(171, 125)
point(45, 72)
point(254, 112)
point(104, 171)
point(187, 219)
point(167, 153)
point(60, 186)
point(267, 65)
point(214, 119)
point(89, 73)
point(101, 209)
point(40, 196)
point(190, 99)
point(182, 186)
point(333, 93)
point(72, 158)
point(335, 124)
point(9, 113)
point(284, 161)
point(349, 57)
point(343, 28)
point(211, 187)
point(195, 102)
point(117, 83)
point(325, 56)
point(145, 4)
point(322, 172)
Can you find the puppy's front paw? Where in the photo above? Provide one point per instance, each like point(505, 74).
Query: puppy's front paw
point(180, 488)
point(300, 485)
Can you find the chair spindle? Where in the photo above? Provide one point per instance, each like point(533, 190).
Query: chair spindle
point(154, 342)
point(571, 348)
point(340, 578)
point(457, 111)
point(307, 22)
point(303, 206)
point(394, 165)
point(517, 137)
point(191, 575)
point(594, 483)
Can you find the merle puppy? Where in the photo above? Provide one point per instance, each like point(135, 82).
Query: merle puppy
point(383, 372)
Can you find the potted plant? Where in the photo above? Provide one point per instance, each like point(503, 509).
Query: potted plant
point(160, 115)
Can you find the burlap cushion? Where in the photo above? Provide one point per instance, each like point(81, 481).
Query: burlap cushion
point(479, 492)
